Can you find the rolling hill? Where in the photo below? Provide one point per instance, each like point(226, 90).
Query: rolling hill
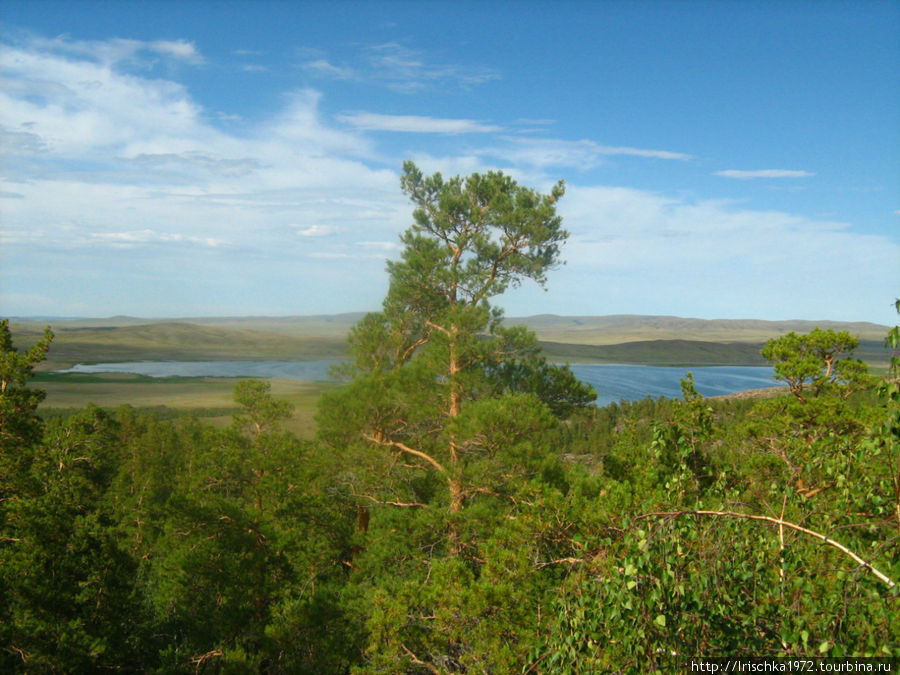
point(657, 340)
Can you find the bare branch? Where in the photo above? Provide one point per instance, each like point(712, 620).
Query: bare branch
point(405, 448)
point(378, 501)
point(430, 323)
point(20, 652)
point(781, 523)
point(201, 659)
point(570, 561)
point(413, 347)
point(415, 659)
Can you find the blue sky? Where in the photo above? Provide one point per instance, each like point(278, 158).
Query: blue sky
point(722, 159)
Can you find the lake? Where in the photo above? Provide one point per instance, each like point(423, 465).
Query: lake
point(612, 382)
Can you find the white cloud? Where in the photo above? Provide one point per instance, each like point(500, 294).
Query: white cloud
point(132, 238)
point(186, 51)
point(190, 161)
point(21, 142)
point(546, 153)
point(406, 70)
point(399, 68)
point(641, 152)
point(299, 125)
point(634, 251)
point(534, 161)
point(415, 124)
point(323, 68)
point(371, 251)
point(585, 154)
point(78, 107)
point(316, 231)
point(329, 255)
point(387, 246)
point(764, 173)
point(119, 50)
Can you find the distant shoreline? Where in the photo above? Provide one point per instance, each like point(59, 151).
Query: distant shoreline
point(764, 392)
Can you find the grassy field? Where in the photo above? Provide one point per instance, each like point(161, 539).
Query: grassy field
point(175, 341)
point(206, 397)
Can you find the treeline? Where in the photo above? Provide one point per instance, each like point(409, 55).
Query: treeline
point(464, 508)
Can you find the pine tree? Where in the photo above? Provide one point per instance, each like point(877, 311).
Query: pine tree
point(435, 370)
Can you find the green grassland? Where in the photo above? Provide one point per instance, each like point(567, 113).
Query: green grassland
point(668, 341)
point(209, 398)
point(177, 341)
point(624, 328)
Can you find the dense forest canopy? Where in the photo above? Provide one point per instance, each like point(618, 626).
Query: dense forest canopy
point(464, 507)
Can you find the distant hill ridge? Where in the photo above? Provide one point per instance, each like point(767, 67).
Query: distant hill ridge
point(619, 328)
point(657, 340)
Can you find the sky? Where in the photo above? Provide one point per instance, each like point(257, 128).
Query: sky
point(182, 159)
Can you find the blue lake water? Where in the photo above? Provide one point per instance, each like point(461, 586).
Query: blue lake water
point(612, 382)
point(632, 383)
point(289, 370)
